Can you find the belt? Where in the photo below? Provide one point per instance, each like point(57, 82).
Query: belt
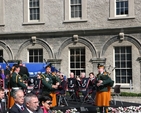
point(16, 88)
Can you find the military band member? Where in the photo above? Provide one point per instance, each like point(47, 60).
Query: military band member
point(16, 83)
point(49, 81)
point(103, 89)
point(15, 79)
point(50, 84)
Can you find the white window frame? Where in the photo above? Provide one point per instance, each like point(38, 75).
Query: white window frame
point(124, 84)
point(75, 68)
point(130, 10)
point(2, 12)
point(27, 16)
point(34, 55)
point(67, 16)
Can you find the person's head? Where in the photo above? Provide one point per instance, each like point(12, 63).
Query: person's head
point(61, 76)
point(48, 69)
point(46, 101)
point(1, 93)
point(91, 75)
point(101, 68)
point(18, 96)
point(32, 102)
point(82, 75)
point(71, 75)
point(16, 68)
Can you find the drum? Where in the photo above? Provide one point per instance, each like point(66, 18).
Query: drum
point(54, 103)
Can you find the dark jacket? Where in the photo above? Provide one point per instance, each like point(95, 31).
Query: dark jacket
point(2, 110)
point(15, 109)
point(106, 82)
point(38, 111)
point(16, 81)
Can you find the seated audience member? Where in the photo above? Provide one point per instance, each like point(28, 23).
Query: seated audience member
point(45, 103)
point(2, 109)
point(92, 84)
point(32, 104)
point(18, 106)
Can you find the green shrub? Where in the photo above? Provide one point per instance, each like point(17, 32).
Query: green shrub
point(130, 94)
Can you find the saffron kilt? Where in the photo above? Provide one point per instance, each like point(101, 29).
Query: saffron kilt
point(103, 98)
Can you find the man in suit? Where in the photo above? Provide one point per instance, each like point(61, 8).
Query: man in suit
point(32, 104)
point(18, 106)
point(2, 109)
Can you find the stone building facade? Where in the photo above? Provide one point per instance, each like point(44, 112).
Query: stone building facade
point(101, 31)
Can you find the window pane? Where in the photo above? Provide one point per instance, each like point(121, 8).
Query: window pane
point(122, 56)
point(77, 65)
point(122, 4)
point(72, 65)
point(128, 56)
point(129, 72)
point(82, 65)
point(117, 50)
point(72, 58)
point(126, 4)
point(30, 59)
point(123, 64)
point(1, 54)
point(122, 49)
point(123, 79)
point(117, 79)
point(117, 64)
point(129, 64)
point(123, 72)
point(30, 52)
point(78, 72)
point(40, 58)
point(36, 52)
point(117, 57)
point(117, 72)
point(82, 58)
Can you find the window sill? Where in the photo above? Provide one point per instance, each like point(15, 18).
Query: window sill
point(120, 18)
point(74, 21)
point(124, 86)
point(33, 23)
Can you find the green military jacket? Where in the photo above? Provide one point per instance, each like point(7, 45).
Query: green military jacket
point(106, 82)
point(47, 81)
point(16, 81)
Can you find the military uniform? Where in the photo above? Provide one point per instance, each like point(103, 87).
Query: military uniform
point(16, 81)
point(47, 81)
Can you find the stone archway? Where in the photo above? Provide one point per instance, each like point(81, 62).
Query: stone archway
point(38, 41)
point(7, 49)
point(80, 40)
point(116, 38)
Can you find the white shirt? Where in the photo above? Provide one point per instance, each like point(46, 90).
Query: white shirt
point(29, 110)
point(19, 105)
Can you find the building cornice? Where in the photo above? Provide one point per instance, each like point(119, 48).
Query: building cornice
point(61, 33)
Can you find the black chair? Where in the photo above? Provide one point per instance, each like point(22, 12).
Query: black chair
point(116, 93)
point(61, 93)
point(71, 88)
point(83, 88)
point(88, 97)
